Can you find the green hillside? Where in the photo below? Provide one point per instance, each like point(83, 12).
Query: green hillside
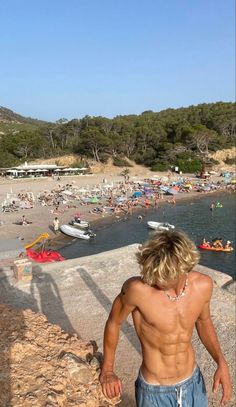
point(11, 121)
point(158, 140)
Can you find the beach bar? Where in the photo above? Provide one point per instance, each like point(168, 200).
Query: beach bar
point(41, 170)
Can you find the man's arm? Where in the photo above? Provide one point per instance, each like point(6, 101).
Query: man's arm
point(121, 308)
point(207, 334)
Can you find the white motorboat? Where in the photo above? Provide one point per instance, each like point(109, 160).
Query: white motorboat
point(80, 224)
point(75, 232)
point(160, 225)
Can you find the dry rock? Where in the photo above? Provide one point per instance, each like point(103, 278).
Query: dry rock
point(43, 366)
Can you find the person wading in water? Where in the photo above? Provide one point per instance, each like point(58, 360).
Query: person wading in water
point(166, 302)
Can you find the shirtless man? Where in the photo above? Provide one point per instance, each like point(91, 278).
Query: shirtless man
point(218, 243)
point(166, 302)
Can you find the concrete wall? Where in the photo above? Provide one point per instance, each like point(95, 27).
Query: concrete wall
point(77, 295)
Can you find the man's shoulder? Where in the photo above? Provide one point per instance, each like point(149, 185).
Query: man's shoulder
point(134, 284)
point(133, 290)
point(201, 281)
point(196, 276)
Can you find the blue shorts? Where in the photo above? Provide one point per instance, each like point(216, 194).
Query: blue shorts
point(187, 393)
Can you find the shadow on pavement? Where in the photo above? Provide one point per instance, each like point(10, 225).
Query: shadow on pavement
point(51, 304)
point(127, 328)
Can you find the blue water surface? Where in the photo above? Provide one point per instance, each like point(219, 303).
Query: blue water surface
point(192, 216)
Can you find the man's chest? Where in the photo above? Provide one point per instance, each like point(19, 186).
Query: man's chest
point(167, 316)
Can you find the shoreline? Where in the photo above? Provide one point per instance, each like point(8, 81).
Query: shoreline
point(108, 220)
point(42, 217)
point(181, 197)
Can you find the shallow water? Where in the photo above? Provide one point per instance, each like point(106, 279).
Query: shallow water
point(192, 216)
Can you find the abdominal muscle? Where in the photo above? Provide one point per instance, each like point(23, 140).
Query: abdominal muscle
point(166, 370)
point(167, 358)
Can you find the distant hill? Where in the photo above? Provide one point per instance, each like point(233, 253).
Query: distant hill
point(184, 137)
point(10, 116)
point(13, 122)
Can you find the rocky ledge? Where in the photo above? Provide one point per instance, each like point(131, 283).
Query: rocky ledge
point(41, 365)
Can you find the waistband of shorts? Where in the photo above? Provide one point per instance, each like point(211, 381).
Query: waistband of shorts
point(169, 388)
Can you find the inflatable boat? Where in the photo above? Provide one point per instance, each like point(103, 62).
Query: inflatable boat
point(160, 225)
point(75, 232)
point(215, 249)
point(82, 224)
point(45, 256)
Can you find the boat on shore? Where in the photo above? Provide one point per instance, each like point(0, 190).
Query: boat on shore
point(44, 256)
point(82, 224)
point(75, 232)
point(160, 225)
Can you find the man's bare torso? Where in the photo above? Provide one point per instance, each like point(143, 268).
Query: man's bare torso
point(165, 329)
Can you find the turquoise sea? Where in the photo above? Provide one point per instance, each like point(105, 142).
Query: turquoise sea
point(192, 216)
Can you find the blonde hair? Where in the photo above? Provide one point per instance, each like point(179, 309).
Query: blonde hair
point(166, 256)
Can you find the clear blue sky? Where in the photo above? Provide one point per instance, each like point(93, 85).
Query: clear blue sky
point(69, 58)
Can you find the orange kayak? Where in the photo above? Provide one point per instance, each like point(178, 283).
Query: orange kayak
point(215, 249)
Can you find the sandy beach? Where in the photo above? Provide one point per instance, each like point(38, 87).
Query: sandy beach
point(42, 216)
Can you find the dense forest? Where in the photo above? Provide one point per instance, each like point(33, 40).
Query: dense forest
point(159, 140)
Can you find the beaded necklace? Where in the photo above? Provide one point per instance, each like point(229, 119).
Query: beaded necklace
point(180, 295)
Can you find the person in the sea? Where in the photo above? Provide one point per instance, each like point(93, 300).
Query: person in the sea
point(205, 243)
point(213, 205)
point(228, 245)
point(218, 243)
point(166, 302)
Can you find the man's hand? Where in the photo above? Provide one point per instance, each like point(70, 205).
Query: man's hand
point(111, 384)
point(222, 377)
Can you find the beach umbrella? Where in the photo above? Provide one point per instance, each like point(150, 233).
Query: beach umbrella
point(139, 182)
point(67, 193)
point(44, 170)
point(82, 169)
point(121, 199)
point(38, 170)
point(94, 199)
point(21, 171)
point(57, 170)
point(164, 188)
point(171, 191)
point(176, 187)
point(136, 194)
point(30, 170)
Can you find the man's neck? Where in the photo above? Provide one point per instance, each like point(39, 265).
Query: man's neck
point(177, 286)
